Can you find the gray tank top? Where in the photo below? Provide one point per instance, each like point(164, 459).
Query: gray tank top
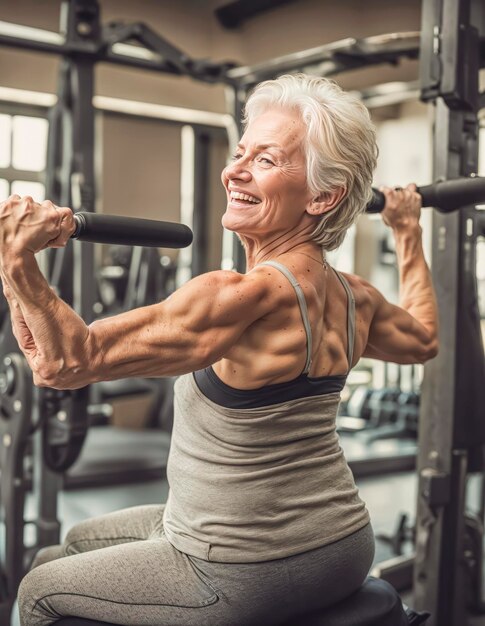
point(257, 484)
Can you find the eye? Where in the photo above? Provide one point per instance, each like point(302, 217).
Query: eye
point(266, 160)
point(236, 156)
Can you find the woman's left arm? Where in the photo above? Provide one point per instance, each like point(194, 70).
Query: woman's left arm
point(190, 330)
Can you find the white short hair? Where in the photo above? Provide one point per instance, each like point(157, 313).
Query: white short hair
point(341, 149)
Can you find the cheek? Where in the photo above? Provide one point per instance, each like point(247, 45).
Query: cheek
point(226, 174)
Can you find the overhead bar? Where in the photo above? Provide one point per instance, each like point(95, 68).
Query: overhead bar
point(346, 53)
point(154, 52)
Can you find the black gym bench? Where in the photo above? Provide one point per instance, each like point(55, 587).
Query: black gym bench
point(376, 603)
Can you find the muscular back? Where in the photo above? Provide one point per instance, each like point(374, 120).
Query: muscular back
point(273, 349)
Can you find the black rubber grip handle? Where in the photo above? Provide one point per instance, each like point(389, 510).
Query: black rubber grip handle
point(445, 196)
point(130, 231)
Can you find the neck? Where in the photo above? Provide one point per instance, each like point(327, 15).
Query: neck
point(258, 251)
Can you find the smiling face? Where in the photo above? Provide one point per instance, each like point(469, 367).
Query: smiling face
point(267, 193)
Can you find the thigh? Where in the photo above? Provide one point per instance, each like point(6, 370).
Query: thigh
point(132, 524)
point(325, 576)
point(145, 583)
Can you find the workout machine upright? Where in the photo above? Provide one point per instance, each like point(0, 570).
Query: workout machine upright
point(452, 424)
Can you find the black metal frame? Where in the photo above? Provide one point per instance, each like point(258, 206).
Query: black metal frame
point(452, 428)
point(334, 58)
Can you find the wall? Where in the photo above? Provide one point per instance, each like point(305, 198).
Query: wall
point(141, 167)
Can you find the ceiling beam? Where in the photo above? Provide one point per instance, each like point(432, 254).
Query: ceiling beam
point(233, 14)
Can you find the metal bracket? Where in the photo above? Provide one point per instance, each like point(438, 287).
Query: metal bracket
point(457, 41)
point(435, 487)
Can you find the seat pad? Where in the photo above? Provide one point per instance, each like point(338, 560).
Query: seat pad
point(376, 603)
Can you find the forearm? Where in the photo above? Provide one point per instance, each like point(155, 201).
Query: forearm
point(416, 292)
point(19, 327)
point(51, 335)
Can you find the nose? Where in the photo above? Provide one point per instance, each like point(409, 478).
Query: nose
point(238, 170)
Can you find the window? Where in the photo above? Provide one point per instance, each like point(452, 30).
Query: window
point(23, 149)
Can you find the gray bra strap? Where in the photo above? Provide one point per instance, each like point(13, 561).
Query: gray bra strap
point(350, 318)
point(303, 309)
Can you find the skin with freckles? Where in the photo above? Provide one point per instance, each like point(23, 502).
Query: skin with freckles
point(269, 164)
point(248, 326)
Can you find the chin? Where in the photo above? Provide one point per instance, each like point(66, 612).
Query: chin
point(232, 222)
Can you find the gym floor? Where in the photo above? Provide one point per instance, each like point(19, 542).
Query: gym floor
point(386, 498)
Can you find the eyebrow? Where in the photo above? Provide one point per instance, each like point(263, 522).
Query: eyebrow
point(265, 146)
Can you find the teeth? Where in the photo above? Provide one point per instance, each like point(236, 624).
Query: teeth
point(236, 195)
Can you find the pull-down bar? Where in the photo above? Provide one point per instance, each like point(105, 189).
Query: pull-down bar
point(445, 196)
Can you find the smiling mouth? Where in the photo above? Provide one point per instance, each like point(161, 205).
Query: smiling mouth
point(243, 198)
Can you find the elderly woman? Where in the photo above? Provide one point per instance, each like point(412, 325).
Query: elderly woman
point(263, 519)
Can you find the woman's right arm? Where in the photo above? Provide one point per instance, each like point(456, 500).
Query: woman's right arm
point(407, 333)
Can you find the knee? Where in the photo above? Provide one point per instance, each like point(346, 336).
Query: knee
point(74, 539)
point(45, 555)
point(29, 593)
point(37, 595)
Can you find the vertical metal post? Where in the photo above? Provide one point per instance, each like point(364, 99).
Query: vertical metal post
point(449, 434)
point(187, 200)
point(82, 25)
point(46, 485)
point(233, 256)
point(82, 182)
point(201, 201)
point(71, 183)
point(195, 164)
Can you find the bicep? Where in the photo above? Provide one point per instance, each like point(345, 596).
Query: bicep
point(395, 335)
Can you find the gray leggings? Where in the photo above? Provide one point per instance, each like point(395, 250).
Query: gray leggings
point(120, 568)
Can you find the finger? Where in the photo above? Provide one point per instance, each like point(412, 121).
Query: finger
point(27, 200)
point(417, 201)
point(48, 204)
point(406, 194)
point(388, 193)
point(66, 227)
point(67, 219)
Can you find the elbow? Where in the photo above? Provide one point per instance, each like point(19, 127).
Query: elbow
point(429, 351)
point(205, 352)
point(204, 355)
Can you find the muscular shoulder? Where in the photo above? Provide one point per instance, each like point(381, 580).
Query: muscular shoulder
point(365, 294)
point(225, 296)
point(253, 287)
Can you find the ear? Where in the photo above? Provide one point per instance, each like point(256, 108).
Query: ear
point(326, 201)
